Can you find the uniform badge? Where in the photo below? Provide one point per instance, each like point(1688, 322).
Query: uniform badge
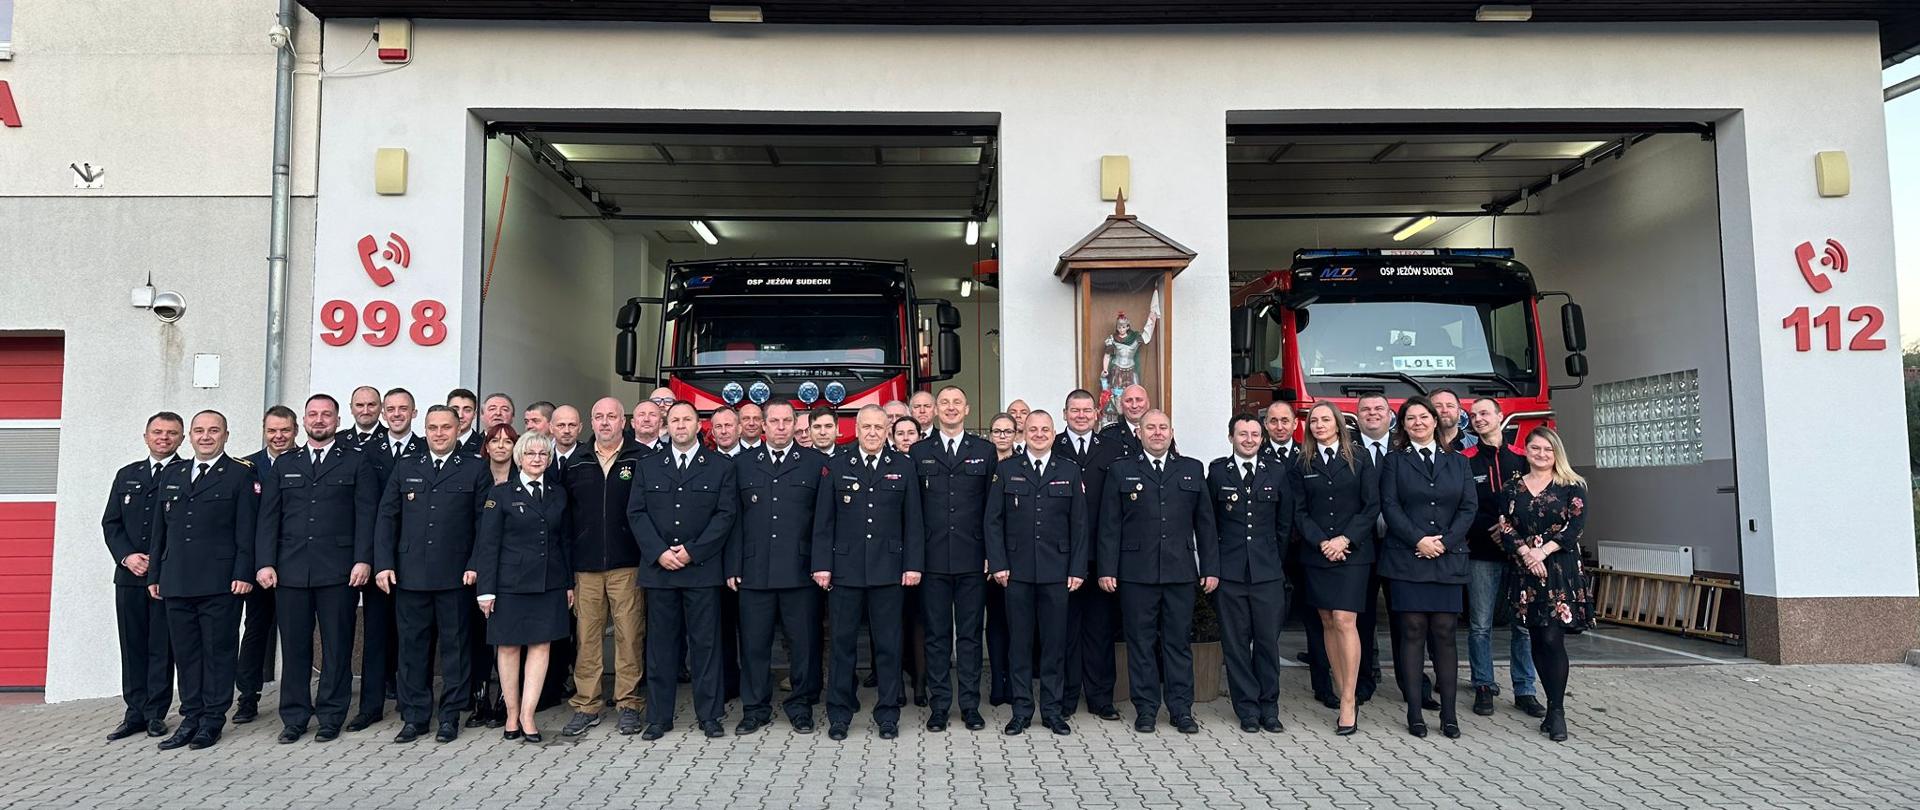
point(410, 496)
point(856, 486)
point(846, 499)
point(1133, 496)
point(1016, 502)
point(126, 499)
point(626, 474)
point(1233, 496)
point(256, 487)
point(488, 504)
point(1139, 487)
point(753, 498)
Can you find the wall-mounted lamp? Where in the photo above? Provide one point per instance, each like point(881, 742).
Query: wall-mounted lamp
point(166, 305)
point(973, 232)
point(706, 233)
point(966, 288)
point(1503, 13)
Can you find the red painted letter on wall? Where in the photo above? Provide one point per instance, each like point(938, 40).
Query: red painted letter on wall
point(9, 114)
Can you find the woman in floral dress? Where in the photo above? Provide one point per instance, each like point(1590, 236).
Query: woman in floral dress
point(1546, 511)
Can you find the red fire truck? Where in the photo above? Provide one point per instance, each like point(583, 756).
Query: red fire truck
point(836, 332)
point(1342, 323)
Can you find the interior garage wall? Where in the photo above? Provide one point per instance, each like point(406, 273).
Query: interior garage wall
point(1637, 243)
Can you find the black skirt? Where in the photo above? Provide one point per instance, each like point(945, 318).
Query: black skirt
point(529, 618)
point(1425, 597)
point(1342, 587)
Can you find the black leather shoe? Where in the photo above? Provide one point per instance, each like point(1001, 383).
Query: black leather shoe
point(1348, 730)
point(747, 726)
point(479, 716)
point(204, 738)
point(1451, 730)
point(1417, 728)
point(655, 731)
point(127, 728)
point(327, 734)
point(1185, 724)
point(889, 731)
point(511, 734)
point(1483, 701)
point(1531, 705)
point(1557, 724)
point(361, 722)
point(936, 724)
point(449, 731)
point(246, 711)
point(1271, 725)
point(181, 736)
point(532, 739)
point(1017, 726)
point(409, 732)
point(1144, 725)
point(292, 734)
point(1250, 725)
point(1107, 713)
point(1058, 725)
point(802, 725)
point(156, 728)
point(836, 731)
point(973, 720)
point(713, 729)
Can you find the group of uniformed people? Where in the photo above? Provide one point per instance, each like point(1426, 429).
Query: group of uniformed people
point(504, 550)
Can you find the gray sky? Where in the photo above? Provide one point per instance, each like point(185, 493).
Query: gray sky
point(1903, 145)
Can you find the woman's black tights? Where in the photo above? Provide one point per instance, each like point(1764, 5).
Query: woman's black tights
point(1422, 634)
point(1550, 661)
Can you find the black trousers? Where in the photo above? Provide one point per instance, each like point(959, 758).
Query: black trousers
point(420, 616)
point(146, 657)
point(205, 631)
point(1365, 624)
point(997, 661)
point(1038, 619)
point(480, 658)
point(1250, 615)
point(1158, 623)
point(683, 619)
point(298, 611)
point(730, 652)
point(379, 648)
point(953, 609)
point(257, 634)
point(796, 611)
point(882, 606)
point(1090, 664)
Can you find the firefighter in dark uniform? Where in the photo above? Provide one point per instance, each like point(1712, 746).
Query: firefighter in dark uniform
point(380, 633)
point(315, 545)
point(1253, 509)
point(681, 509)
point(422, 546)
point(146, 659)
point(956, 470)
point(1036, 524)
point(1155, 520)
point(868, 546)
point(1091, 612)
point(770, 564)
point(201, 564)
point(278, 428)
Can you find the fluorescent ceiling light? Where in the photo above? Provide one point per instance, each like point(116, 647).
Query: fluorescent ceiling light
point(707, 235)
point(1503, 13)
point(966, 288)
point(734, 14)
point(1412, 228)
point(973, 232)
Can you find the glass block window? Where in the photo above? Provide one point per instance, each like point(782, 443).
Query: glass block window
point(1648, 421)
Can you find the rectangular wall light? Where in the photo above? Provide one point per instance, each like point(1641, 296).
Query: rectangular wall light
point(734, 14)
point(1410, 229)
point(973, 232)
point(1503, 13)
point(706, 233)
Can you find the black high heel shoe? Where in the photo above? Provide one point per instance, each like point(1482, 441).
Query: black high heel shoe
point(1449, 725)
point(1347, 730)
point(510, 734)
point(1416, 722)
point(533, 738)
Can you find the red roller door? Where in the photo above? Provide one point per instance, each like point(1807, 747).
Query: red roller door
point(30, 374)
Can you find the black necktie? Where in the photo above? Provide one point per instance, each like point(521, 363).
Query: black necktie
point(535, 486)
point(1157, 469)
point(779, 457)
point(437, 462)
point(1328, 452)
point(157, 467)
point(1082, 442)
point(873, 463)
point(683, 462)
point(1246, 470)
point(201, 471)
point(1040, 468)
point(1374, 447)
point(953, 448)
point(316, 457)
point(396, 454)
point(1426, 455)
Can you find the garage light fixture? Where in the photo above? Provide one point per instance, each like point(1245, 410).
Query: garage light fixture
point(966, 288)
point(1503, 13)
point(973, 232)
point(734, 14)
point(706, 233)
point(1414, 227)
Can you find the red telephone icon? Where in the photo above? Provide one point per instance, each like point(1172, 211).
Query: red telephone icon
point(1835, 257)
point(396, 251)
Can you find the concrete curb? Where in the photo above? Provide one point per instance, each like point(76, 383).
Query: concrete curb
point(1913, 658)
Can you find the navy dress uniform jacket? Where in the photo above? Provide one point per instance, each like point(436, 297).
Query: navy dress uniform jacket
point(1419, 501)
point(316, 525)
point(1157, 528)
point(128, 522)
point(1254, 517)
point(519, 547)
point(1337, 500)
point(379, 453)
point(1102, 451)
point(597, 508)
point(694, 509)
point(772, 546)
point(202, 534)
point(1037, 525)
point(428, 519)
point(954, 501)
point(867, 526)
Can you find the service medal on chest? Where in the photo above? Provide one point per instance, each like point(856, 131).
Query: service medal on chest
point(846, 499)
point(410, 496)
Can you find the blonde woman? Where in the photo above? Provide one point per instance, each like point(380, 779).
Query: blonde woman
point(1546, 510)
point(523, 560)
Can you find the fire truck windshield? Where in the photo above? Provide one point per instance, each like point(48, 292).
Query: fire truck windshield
point(1386, 339)
point(795, 331)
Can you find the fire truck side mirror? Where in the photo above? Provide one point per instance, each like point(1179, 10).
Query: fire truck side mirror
point(629, 316)
point(1573, 328)
point(949, 360)
point(1577, 365)
point(626, 349)
point(1240, 326)
point(949, 316)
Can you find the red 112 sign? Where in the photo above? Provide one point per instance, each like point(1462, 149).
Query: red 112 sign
point(341, 320)
point(1803, 320)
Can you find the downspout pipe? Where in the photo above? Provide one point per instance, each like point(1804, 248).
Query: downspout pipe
point(1903, 88)
point(277, 229)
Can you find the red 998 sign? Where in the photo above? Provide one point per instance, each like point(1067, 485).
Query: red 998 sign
point(379, 323)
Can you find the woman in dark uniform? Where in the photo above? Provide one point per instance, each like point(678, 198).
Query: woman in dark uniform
point(1427, 495)
point(526, 578)
point(1336, 509)
point(488, 708)
point(1546, 512)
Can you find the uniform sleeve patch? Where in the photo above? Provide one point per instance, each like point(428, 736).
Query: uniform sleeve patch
point(489, 504)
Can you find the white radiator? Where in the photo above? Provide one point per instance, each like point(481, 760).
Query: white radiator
point(1646, 558)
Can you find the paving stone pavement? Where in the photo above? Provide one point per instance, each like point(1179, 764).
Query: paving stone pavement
point(1744, 736)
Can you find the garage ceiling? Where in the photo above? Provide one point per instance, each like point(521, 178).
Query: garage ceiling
point(1899, 19)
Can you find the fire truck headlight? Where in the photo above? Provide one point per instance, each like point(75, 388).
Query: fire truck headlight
point(808, 392)
point(836, 393)
point(732, 393)
point(759, 392)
